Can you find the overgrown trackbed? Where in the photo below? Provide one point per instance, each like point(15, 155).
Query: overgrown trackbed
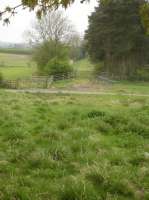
point(47, 91)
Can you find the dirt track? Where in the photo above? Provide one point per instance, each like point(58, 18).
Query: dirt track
point(47, 91)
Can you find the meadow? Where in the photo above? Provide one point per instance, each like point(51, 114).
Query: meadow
point(73, 147)
point(18, 51)
point(14, 60)
point(14, 66)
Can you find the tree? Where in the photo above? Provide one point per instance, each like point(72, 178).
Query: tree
point(39, 6)
point(42, 6)
point(59, 69)
point(46, 51)
point(117, 39)
point(54, 25)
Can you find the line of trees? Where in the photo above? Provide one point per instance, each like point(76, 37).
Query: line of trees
point(117, 36)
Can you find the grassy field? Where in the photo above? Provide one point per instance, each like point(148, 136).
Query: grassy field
point(14, 66)
point(12, 73)
point(20, 51)
point(83, 65)
point(14, 60)
point(69, 147)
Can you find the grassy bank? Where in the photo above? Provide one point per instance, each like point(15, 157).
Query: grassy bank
point(14, 60)
point(20, 51)
point(14, 66)
point(12, 73)
point(73, 147)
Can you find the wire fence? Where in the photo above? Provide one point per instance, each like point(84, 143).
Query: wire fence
point(43, 82)
point(36, 81)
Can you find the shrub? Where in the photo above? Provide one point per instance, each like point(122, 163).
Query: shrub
point(60, 69)
point(47, 51)
point(95, 113)
point(143, 75)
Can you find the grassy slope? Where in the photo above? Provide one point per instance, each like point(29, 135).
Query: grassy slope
point(17, 72)
point(73, 148)
point(15, 66)
point(23, 51)
point(83, 65)
point(14, 60)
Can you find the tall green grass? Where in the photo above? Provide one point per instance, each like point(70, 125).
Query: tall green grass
point(70, 147)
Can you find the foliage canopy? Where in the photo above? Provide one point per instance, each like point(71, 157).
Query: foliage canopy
point(58, 68)
point(117, 36)
point(48, 50)
point(39, 6)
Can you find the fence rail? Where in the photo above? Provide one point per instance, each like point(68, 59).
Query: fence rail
point(46, 81)
point(34, 82)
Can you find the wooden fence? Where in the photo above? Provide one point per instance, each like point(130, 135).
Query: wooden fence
point(34, 82)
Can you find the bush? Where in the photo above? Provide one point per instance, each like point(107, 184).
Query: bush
point(143, 75)
point(60, 69)
point(46, 51)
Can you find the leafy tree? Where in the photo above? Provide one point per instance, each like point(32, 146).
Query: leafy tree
point(39, 6)
point(48, 50)
point(117, 36)
point(76, 45)
point(60, 69)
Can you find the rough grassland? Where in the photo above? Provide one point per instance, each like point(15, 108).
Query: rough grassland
point(14, 66)
point(13, 73)
point(13, 60)
point(56, 147)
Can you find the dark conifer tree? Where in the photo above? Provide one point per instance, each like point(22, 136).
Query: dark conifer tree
point(117, 37)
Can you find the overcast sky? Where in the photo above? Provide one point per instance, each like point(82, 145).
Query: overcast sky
point(78, 13)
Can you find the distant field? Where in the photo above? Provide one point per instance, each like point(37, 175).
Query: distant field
point(14, 66)
point(14, 60)
point(20, 51)
point(71, 147)
point(17, 72)
point(83, 65)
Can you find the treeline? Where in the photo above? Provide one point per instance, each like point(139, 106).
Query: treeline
point(117, 37)
point(21, 51)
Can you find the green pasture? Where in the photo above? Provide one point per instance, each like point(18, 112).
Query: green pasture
point(14, 60)
point(71, 147)
point(14, 66)
point(12, 73)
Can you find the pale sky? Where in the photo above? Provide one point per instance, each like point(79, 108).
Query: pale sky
point(78, 14)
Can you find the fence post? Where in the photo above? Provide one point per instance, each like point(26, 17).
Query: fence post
point(17, 83)
point(46, 86)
